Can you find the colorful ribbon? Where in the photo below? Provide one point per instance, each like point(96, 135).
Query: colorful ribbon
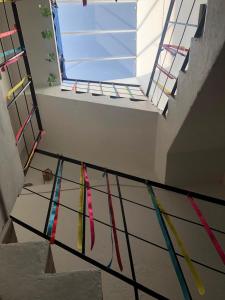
point(113, 223)
point(52, 239)
point(80, 216)
point(90, 209)
point(8, 33)
point(53, 218)
point(208, 230)
point(10, 52)
point(164, 89)
point(174, 50)
point(12, 61)
point(34, 147)
point(16, 87)
point(166, 72)
point(196, 277)
point(20, 131)
point(177, 267)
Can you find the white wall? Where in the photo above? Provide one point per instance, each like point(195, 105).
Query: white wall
point(119, 134)
point(11, 174)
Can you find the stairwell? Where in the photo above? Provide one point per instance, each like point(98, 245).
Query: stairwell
point(27, 272)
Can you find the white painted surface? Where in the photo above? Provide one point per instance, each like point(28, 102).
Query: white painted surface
point(11, 174)
point(193, 97)
point(100, 130)
point(39, 48)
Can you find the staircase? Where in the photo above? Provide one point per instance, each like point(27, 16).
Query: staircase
point(28, 272)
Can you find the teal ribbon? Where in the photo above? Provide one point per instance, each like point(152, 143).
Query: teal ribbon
point(9, 52)
point(176, 264)
point(55, 199)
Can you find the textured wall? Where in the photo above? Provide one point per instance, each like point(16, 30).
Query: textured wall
point(11, 174)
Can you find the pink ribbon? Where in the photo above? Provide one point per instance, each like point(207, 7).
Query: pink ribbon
point(7, 33)
point(90, 209)
point(173, 49)
point(11, 61)
point(18, 135)
point(208, 230)
point(166, 72)
point(113, 224)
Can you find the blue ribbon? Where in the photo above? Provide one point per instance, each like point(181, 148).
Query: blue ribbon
point(177, 267)
point(9, 52)
point(55, 199)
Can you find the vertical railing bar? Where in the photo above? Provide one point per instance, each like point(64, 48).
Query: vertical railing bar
point(52, 195)
point(165, 56)
point(199, 31)
point(84, 221)
point(194, 2)
point(172, 2)
point(26, 63)
point(17, 110)
point(20, 75)
point(127, 238)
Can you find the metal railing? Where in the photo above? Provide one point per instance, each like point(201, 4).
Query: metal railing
point(131, 280)
point(133, 92)
point(30, 118)
point(173, 52)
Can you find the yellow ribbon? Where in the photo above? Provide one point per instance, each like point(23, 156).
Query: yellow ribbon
point(16, 87)
point(164, 89)
point(80, 216)
point(196, 277)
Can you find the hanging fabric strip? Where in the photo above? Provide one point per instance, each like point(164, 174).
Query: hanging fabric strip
point(196, 277)
point(53, 233)
point(8, 33)
point(20, 131)
point(113, 224)
point(84, 2)
point(208, 230)
point(177, 267)
point(164, 89)
point(34, 147)
point(80, 215)
point(10, 52)
point(16, 87)
point(55, 200)
point(90, 208)
point(12, 61)
point(166, 72)
point(174, 50)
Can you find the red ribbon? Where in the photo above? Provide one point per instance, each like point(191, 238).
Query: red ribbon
point(165, 72)
point(208, 230)
point(11, 61)
point(18, 135)
point(7, 33)
point(113, 224)
point(173, 49)
point(90, 209)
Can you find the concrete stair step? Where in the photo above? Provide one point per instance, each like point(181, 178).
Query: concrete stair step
point(29, 258)
point(27, 273)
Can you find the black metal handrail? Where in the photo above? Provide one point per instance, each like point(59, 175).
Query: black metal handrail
point(200, 28)
point(29, 83)
point(138, 286)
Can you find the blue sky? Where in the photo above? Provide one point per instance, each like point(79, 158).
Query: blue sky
point(81, 47)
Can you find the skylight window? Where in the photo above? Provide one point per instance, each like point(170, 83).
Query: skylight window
point(98, 41)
